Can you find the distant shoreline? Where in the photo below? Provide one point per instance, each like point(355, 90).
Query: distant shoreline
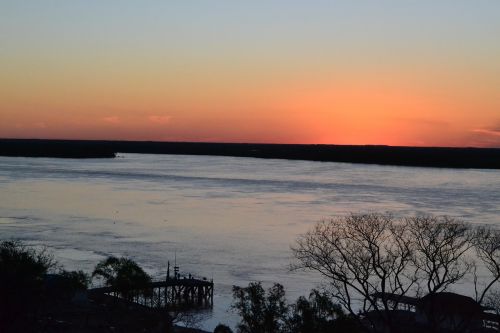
point(462, 158)
point(55, 148)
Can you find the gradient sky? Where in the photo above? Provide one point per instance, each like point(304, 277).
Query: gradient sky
point(401, 72)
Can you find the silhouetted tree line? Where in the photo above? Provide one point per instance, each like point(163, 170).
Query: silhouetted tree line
point(373, 261)
point(26, 286)
point(34, 289)
point(370, 262)
point(262, 312)
point(488, 158)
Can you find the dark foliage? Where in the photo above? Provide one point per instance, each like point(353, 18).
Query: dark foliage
point(222, 329)
point(22, 272)
point(123, 274)
point(318, 314)
point(383, 261)
point(266, 313)
point(260, 312)
point(76, 280)
point(64, 285)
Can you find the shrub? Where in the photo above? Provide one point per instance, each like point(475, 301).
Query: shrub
point(22, 272)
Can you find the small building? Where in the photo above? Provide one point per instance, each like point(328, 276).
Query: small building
point(437, 312)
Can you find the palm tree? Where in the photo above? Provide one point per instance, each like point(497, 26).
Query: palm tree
point(124, 275)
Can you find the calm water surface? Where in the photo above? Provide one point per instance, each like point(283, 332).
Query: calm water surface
point(229, 218)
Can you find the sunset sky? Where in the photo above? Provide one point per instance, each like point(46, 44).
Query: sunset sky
point(419, 73)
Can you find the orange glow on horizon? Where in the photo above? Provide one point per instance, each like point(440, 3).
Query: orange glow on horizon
point(337, 72)
point(403, 108)
point(351, 112)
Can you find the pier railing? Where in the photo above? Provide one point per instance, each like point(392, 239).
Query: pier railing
point(170, 294)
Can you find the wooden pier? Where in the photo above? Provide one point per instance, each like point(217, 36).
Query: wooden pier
point(173, 293)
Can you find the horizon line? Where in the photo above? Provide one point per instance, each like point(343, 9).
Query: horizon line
point(248, 143)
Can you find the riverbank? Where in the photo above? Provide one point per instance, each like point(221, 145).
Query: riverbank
point(441, 157)
point(56, 148)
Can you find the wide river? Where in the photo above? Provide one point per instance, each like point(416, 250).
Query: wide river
point(227, 218)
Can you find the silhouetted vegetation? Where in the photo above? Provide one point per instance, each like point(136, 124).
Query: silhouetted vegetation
point(221, 328)
point(488, 158)
point(382, 274)
point(22, 292)
point(320, 314)
point(56, 148)
point(374, 263)
point(260, 312)
point(63, 285)
point(123, 274)
point(22, 272)
point(492, 300)
point(38, 296)
point(269, 312)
